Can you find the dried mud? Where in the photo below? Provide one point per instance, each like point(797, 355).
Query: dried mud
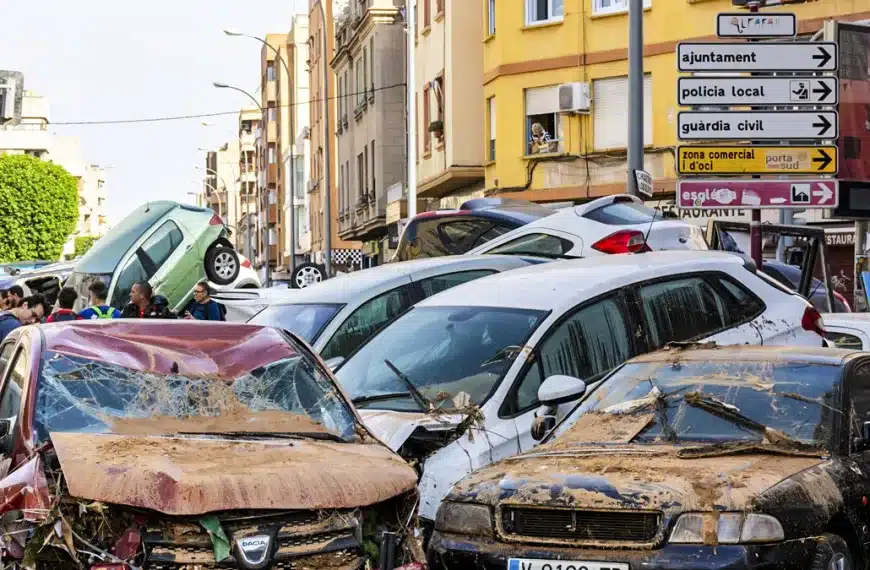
point(234, 419)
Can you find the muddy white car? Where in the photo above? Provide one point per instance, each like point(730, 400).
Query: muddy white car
point(144, 444)
point(453, 383)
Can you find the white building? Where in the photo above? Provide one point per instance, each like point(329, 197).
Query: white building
point(299, 145)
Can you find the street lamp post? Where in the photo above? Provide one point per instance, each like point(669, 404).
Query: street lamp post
point(212, 189)
point(257, 159)
point(217, 190)
point(292, 110)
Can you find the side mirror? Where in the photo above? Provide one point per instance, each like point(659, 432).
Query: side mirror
point(559, 389)
point(542, 426)
point(334, 363)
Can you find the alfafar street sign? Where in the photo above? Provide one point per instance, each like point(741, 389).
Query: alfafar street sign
point(757, 125)
point(742, 25)
point(767, 57)
point(757, 91)
point(756, 194)
point(757, 160)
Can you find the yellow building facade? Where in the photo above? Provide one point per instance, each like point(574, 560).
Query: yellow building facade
point(556, 89)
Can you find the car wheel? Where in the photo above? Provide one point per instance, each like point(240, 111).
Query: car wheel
point(222, 265)
point(832, 553)
point(306, 275)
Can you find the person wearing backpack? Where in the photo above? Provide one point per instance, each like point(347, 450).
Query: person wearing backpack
point(66, 299)
point(99, 309)
point(203, 307)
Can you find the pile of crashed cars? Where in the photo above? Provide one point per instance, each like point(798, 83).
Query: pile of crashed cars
point(643, 409)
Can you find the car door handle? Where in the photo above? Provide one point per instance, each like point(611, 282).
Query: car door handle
point(189, 247)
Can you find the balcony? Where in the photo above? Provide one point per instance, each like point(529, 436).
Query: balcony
point(360, 108)
point(312, 185)
point(273, 214)
point(271, 91)
point(247, 141)
point(272, 131)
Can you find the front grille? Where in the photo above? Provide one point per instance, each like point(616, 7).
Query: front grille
point(615, 526)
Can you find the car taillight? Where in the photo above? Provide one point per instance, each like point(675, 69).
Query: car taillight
point(215, 221)
point(812, 321)
point(625, 241)
point(246, 263)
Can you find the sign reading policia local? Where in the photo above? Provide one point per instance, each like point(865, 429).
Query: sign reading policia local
point(792, 144)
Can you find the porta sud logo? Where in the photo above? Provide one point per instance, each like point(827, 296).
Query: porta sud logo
point(697, 198)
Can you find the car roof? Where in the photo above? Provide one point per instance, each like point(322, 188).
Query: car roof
point(107, 252)
point(707, 353)
point(199, 348)
point(345, 288)
point(544, 286)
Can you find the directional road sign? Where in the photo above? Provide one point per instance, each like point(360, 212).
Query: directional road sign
point(770, 57)
point(757, 160)
point(742, 25)
point(757, 91)
point(756, 194)
point(757, 125)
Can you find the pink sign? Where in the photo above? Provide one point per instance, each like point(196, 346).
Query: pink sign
point(756, 194)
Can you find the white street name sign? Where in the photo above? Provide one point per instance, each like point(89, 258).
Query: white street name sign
point(757, 91)
point(770, 57)
point(757, 125)
point(644, 182)
point(741, 25)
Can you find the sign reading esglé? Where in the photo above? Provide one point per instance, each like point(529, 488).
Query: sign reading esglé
point(757, 160)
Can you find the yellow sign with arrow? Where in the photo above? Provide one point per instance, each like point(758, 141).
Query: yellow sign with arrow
point(757, 160)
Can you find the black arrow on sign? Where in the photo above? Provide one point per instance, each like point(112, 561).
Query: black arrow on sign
point(823, 55)
point(824, 125)
point(823, 90)
point(824, 159)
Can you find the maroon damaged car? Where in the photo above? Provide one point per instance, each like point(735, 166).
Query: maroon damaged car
point(147, 444)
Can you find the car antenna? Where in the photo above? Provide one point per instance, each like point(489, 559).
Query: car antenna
point(649, 229)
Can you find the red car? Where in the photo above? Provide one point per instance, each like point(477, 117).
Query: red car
point(154, 444)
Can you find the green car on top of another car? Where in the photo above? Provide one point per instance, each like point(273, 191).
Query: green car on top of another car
point(172, 246)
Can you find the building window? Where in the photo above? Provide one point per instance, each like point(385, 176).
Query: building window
point(490, 104)
point(360, 176)
point(426, 15)
point(271, 156)
point(427, 137)
point(372, 154)
point(417, 122)
point(340, 101)
point(271, 113)
point(366, 171)
point(490, 17)
point(341, 191)
point(372, 63)
point(614, 6)
point(539, 11)
point(270, 72)
point(346, 95)
point(360, 84)
point(365, 66)
point(543, 121)
point(439, 7)
point(609, 115)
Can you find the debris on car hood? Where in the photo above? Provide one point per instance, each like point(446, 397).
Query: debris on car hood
point(198, 474)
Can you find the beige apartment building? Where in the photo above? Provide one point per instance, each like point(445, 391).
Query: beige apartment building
point(369, 67)
point(249, 128)
point(450, 103)
point(345, 254)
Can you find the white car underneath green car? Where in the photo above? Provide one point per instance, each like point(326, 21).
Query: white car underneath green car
point(172, 246)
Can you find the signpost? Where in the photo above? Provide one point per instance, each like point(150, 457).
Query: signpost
point(757, 194)
point(758, 91)
point(757, 160)
point(750, 110)
point(644, 182)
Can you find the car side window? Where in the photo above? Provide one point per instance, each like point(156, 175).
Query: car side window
point(160, 245)
point(367, 320)
point(13, 394)
point(843, 340)
point(439, 283)
point(586, 345)
point(681, 309)
point(132, 272)
point(742, 305)
point(5, 355)
point(535, 244)
point(460, 236)
point(490, 234)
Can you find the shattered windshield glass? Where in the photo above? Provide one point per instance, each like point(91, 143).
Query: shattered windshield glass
point(451, 356)
point(709, 401)
point(288, 396)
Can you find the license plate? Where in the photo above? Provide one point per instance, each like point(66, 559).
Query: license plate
point(532, 564)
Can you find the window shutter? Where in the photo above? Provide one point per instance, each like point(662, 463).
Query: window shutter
point(610, 112)
point(542, 100)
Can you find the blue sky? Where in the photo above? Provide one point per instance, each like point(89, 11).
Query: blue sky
point(107, 60)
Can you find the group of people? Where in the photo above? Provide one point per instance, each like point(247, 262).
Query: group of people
point(18, 310)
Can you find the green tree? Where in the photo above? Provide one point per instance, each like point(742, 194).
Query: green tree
point(83, 244)
point(39, 207)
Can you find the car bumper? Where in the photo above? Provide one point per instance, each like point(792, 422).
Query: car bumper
point(456, 551)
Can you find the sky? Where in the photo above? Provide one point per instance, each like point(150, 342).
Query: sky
point(99, 60)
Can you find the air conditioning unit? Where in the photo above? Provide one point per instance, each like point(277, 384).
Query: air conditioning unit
point(574, 98)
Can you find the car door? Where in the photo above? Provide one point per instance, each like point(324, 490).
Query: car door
point(169, 256)
point(539, 242)
point(15, 385)
point(850, 338)
point(586, 343)
point(684, 308)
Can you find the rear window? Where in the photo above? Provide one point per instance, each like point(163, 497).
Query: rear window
point(624, 214)
point(305, 321)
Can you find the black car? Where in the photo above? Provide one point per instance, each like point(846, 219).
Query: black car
point(790, 276)
point(454, 232)
point(689, 458)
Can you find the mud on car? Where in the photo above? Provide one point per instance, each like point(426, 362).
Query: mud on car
point(137, 444)
point(737, 457)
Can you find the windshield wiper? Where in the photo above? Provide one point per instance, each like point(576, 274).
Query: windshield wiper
point(325, 436)
point(378, 397)
point(507, 353)
point(422, 401)
point(732, 414)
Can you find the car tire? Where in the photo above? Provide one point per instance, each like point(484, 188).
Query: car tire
point(307, 274)
point(832, 553)
point(222, 265)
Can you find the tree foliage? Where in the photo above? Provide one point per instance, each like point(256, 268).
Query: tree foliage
point(39, 208)
point(83, 244)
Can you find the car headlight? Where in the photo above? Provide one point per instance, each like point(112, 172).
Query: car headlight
point(726, 528)
point(462, 518)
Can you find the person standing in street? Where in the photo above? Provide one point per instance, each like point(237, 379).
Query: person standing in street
point(11, 319)
point(203, 307)
point(99, 308)
point(144, 305)
point(66, 300)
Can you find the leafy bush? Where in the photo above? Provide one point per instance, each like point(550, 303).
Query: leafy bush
point(39, 208)
point(83, 244)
